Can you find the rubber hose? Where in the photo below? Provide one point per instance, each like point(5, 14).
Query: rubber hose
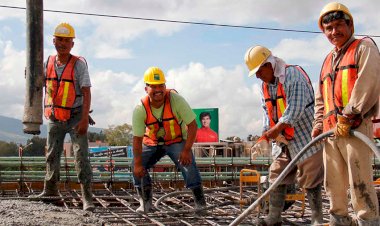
point(289, 167)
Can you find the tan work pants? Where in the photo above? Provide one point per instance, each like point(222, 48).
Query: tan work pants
point(348, 165)
point(308, 173)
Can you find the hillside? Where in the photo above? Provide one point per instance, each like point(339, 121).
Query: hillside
point(11, 130)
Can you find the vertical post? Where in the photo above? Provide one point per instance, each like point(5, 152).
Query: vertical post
point(34, 67)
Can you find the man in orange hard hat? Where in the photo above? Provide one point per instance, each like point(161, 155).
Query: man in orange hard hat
point(347, 98)
point(163, 124)
point(67, 105)
point(288, 104)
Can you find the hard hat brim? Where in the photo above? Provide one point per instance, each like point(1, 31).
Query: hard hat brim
point(253, 71)
point(155, 83)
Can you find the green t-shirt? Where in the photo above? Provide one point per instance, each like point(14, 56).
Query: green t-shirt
point(181, 109)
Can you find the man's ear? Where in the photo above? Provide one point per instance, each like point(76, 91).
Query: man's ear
point(146, 89)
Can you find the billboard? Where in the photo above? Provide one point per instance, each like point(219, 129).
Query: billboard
point(208, 125)
point(116, 151)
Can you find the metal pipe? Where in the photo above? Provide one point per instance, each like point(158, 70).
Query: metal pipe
point(32, 118)
point(292, 164)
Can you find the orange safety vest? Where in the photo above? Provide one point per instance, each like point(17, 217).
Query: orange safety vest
point(173, 131)
point(60, 92)
point(280, 103)
point(336, 84)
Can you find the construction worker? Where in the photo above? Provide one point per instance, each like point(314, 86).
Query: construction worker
point(67, 105)
point(347, 98)
point(288, 103)
point(163, 124)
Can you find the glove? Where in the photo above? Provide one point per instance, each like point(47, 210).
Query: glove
point(281, 139)
point(343, 126)
point(261, 147)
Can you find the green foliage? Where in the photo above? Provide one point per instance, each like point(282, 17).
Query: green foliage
point(119, 135)
point(37, 148)
point(8, 149)
point(93, 137)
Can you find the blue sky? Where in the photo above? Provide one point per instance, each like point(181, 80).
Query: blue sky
point(204, 63)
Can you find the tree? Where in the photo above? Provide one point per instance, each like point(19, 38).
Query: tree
point(119, 135)
point(93, 137)
point(37, 148)
point(8, 149)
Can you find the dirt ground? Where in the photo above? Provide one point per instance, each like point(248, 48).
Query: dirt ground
point(23, 213)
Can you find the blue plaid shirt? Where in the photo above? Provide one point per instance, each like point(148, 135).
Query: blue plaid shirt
point(299, 112)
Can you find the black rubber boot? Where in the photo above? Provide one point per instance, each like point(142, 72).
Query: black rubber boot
point(146, 197)
point(314, 196)
point(276, 205)
point(50, 189)
point(199, 199)
point(88, 205)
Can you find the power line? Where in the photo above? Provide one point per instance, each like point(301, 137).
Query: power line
point(181, 22)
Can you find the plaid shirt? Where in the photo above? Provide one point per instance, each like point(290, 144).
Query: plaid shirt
point(299, 112)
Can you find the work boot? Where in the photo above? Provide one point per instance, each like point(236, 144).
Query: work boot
point(276, 205)
point(199, 198)
point(314, 195)
point(337, 220)
point(145, 199)
point(50, 189)
point(374, 222)
point(88, 205)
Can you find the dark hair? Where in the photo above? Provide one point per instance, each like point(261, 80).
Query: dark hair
point(336, 15)
point(204, 114)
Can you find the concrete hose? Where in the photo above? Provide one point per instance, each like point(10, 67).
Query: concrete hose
point(292, 164)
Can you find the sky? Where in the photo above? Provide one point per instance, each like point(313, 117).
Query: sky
point(205, 64)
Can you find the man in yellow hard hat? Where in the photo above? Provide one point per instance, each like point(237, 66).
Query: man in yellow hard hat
point(288, 103)
point(67, 105)
point(163, 124)
point(347, 98)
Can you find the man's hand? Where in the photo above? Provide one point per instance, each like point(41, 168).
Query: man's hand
point(261, 147)
point(343, 126)
point(82, 126)
point(315, 132)
point(139, 171)
point(185, 158)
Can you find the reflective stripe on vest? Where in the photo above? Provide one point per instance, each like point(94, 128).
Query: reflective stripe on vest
point(59, 92)
point(172, 129)
point(280, 104)
point(337, 84)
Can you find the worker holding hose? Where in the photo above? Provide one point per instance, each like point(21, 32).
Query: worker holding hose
point(288, 103)
point(163, 124)
point(347, 98)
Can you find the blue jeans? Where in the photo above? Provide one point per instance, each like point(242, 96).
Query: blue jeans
point(152, 154)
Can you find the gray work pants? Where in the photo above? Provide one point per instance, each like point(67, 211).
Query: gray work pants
point(56, 134)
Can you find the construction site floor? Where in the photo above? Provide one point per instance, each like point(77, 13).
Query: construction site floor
point(116, 206)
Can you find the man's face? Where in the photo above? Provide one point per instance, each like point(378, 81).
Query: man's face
point(63, 45)
point(338, 32)
point(156, 93)
point(265, 73)
point(206, 121)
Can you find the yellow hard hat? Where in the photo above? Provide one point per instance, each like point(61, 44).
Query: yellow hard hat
point(255, 57)
point(154, 76)
point(332, 7)
point(64, 30)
